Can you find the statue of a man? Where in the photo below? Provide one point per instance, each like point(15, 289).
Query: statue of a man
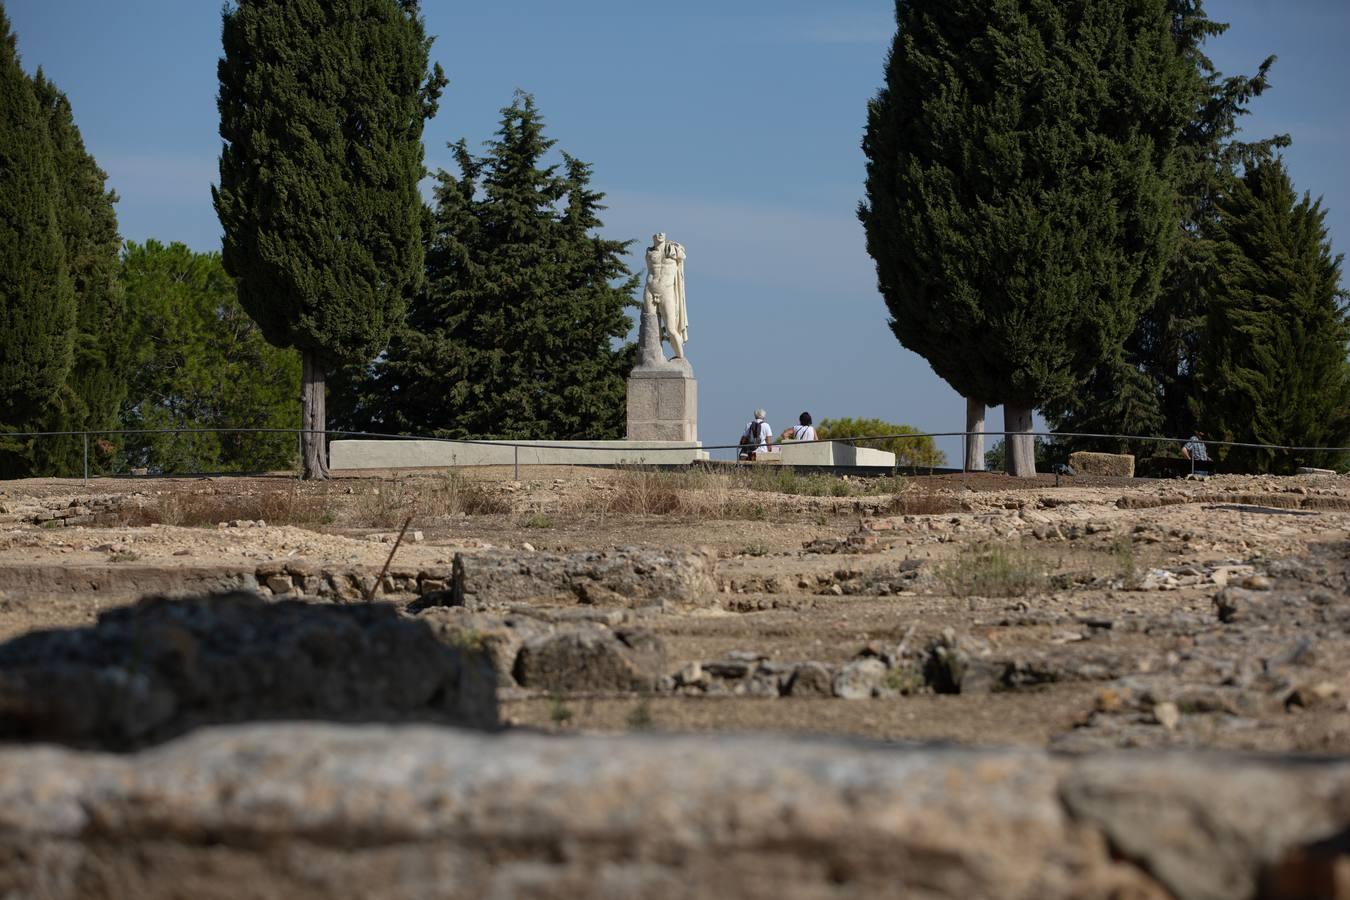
point(664, 293)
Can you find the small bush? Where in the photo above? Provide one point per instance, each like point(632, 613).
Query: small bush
point(993, 571)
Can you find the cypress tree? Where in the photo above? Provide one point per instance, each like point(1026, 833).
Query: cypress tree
point(1274, 367)
point(1020, 189)
point(37, 303)
point(92, 396)
point(322, 106)
point(513, 335)
point(199, 361)
point(1150, 388)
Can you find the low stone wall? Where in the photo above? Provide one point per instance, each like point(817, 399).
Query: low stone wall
point(328, 811)
point(1120, 465)
point(394, 454)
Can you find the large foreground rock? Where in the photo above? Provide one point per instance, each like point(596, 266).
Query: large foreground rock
point(151, 671)
point(327, 811)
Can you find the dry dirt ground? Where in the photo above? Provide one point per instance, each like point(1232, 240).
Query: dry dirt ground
point(1081, 615)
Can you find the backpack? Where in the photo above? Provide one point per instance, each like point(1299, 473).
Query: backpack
point(751, 439)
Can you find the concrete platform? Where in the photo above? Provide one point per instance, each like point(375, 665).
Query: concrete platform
point(395, 454)
point(828, 453)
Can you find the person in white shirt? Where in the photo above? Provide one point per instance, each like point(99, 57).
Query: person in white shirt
point(804, 430)
point(758, 436)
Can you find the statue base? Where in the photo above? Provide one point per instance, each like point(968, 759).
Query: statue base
point(663, 402)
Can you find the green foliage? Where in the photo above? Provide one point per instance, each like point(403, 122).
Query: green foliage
point(1274, 365)
point(321, 110)
point(199, 361)
point(1020, 193)
point(914, 453)
point(92, 395)
point(37, 299)
point(513, 336)
point(1150, 388)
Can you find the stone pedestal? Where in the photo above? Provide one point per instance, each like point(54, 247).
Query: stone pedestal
point(662, 393)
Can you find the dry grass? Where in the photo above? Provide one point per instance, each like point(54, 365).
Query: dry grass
point(290, 505)
point(994, 570)
point(711, 494)
point(695, 494)
point(380, 504)
point(389, 503)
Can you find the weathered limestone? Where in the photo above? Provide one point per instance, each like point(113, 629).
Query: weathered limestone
point(635, 575)
point(1120, 465)
point(327, 811)
point(148, 672)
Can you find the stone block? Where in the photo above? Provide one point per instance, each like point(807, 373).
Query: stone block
point(662, 404)
point(1120, 465)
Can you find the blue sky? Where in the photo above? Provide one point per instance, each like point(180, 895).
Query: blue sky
point(737, 133)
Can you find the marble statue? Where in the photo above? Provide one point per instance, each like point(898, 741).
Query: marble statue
point(663, 295)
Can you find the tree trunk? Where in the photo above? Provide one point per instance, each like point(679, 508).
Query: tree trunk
point(313, 446)
point(974, 435)
point(1019, 446)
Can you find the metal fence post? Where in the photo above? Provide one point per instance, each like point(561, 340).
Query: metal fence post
point(965, 451)
point(86, 458)
point(516, 448)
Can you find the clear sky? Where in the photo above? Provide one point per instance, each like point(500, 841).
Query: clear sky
point(737, 133)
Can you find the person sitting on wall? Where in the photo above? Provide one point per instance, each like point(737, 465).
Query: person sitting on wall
point(1195, 451)
point(803, 430)
point(758, 436)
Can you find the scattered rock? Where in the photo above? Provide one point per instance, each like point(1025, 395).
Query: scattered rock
point(859, 679)
point(1167, 715)
point(592, 659)
point(811, 679)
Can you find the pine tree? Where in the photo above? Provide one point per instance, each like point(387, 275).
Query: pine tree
point(198, 362)
point(92, 396)
point(1274, 366)
point(513, 335)
point(321, 108)
point(37, 302)
point(1021, 187)
point(1149, 388)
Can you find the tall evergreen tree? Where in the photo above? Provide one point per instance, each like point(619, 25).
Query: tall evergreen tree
point(199, 361)
point(1021, 189)
point(513, 336)
point(37, 302)
point(92, 396)
point(1274, 364)
point(1150, 388)
point(322, 106)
